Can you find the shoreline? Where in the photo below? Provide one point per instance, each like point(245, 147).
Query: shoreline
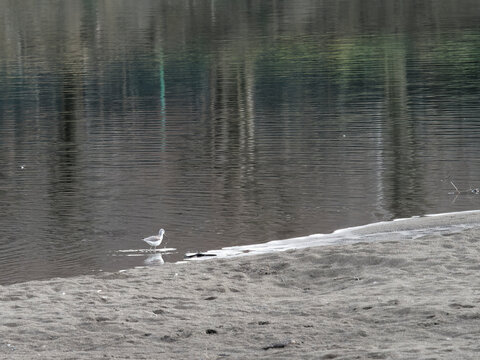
point(390, 299)
point(128, 258)
point(397, 229)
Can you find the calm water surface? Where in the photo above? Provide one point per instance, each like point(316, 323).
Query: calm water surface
point(226, 123)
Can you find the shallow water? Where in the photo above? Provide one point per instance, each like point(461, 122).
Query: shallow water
point(226, 123)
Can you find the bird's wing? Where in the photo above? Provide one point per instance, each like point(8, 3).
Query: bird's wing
point(151, 238)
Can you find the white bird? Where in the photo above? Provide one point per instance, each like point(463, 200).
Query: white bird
point(155, 240)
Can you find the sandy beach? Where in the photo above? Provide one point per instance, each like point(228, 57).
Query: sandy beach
point(409, 299)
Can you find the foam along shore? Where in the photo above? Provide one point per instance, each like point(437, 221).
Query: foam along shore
point(399, 229)
point(408, 298)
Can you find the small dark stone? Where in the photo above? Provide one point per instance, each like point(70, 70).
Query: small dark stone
point(158, 311)
point(167, 338)
point(211, 298)
point(330, 356)
point(211, 331)
point(461, 306)
point(147, 334)
point(101, 318)
point(274, 346)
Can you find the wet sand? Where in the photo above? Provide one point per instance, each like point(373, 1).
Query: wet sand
point(408, 299)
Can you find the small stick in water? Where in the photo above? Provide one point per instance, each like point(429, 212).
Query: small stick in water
point(458, 191)
point(469, 191)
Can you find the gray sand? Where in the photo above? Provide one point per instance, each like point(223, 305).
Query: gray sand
point(409, 299)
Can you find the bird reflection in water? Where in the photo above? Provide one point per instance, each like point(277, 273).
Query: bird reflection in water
point(154, 259)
